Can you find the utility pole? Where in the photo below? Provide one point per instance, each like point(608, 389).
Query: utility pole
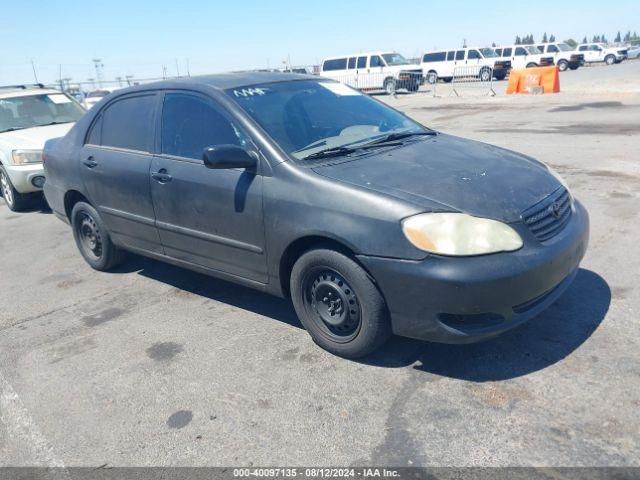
point(164, 72)
point(60, 77)
point(177, 69)
point(34, 71)
point(128, 79)
point(97, 63)
point(188, 72)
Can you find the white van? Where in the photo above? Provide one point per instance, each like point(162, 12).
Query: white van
point(524, 56)
point(440, 64)
point(564, 56)
point(387, 71)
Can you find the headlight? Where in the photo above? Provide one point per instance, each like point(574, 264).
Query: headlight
point(24, 157)
point(459, 234)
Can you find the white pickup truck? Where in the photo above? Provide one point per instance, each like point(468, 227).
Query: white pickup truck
point(599, 52)
point(564, 56)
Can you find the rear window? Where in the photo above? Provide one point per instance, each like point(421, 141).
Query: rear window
point(128, 123)
point(434, 57)
point(335, 64)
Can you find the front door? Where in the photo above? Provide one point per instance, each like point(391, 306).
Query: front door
point(115, 165)
point(211, 218)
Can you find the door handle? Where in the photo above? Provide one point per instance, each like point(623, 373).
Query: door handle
point(90, 162)
point(161, 176)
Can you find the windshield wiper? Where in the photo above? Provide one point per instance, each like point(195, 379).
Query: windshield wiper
point(51, 123)
point(13, 129)
point(395, 136)
point(330, 152)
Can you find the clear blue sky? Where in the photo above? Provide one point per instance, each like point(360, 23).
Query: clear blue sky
point(139, 36)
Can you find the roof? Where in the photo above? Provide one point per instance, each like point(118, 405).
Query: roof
point(25, 92)
point(361, 54)
point(224, 81)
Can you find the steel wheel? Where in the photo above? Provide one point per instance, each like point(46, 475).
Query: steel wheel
point(332, 304)
point(89, 235)
point(7, 189)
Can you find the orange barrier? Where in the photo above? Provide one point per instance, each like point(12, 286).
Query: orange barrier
point(528, 79)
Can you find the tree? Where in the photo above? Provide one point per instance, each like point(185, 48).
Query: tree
point(493, 45)
point(584, 40)
point(571, 42)
point(518, 41)
point(595, 39)
point(603, 39)
point(552, 38)
point(627, 36)
point(545, 39)
point(618, 37)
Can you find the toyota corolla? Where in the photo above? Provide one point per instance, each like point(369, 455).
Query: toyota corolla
point(300, 186)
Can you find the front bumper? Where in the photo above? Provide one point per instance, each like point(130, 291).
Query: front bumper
point(23, 177)
point(468, 299)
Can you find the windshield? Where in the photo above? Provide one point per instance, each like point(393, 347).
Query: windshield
point(532, 50)
point(98, 94)
point(394, 59)
point(564, 47)
point(38, 110)
point(305, 117)
point(488, 52)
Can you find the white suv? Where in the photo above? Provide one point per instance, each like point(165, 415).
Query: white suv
point(441, 64)
point(599, 52)
point(524, 56)
point(565, 57)
point(387, 71)
point(29, 116)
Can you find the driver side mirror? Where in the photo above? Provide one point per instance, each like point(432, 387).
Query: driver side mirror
point(227, 157)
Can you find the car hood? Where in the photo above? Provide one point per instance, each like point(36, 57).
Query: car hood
point(33, 137)
point(461, 175)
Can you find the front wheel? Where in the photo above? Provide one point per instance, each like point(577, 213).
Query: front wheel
point(93, 239)
point(563, 65)
point(15, 200)
point(532, 65)
point(485, 75)
point(432, 78)
point(390, 86)
point(610, 59)
point(339, 304)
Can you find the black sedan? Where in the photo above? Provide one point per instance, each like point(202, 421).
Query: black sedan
point(300, 186)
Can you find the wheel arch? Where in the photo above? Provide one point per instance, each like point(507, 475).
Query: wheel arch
point(71, 197)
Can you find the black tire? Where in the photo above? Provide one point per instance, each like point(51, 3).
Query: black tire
point(447, 79)
point(484, 75)
point(92, 238)
point(432, 77)
point(351, 319)
point(610, 59)
point(573, 68)
point(563, 65)
point(16, 201)
point(532, 65)
point(390, 86)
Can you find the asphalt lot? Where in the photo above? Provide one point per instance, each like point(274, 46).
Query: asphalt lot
point(153, 365)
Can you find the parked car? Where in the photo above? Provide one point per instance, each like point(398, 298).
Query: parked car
point(441, 64)
point(388, 71)
point(524, 56)
point(304, 187)
point(633, 52)
point(564, 56)
point(599, 52)
point(29, 115)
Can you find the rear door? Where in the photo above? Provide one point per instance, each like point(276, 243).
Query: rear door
point(115, 163)
point(211, 218)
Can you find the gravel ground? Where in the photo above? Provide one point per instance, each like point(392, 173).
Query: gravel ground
point(153, 365)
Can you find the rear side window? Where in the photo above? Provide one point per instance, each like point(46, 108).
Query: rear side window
point(190, 124)
point(520, 51)
point(362, 62)
point(352, 63)
point(434, 57)
point(583, 48)
point(376, 61)
point(450, 55)
point(336, 64)
point(473, 55)
point(128, 123)
point(460, 55)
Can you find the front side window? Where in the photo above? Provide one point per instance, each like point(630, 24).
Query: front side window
point(583, 48)
point(352, 63)
point(473, 55)
point(460, 55)
point(362, 62)
point(29, 111)
point(520, 52)
point(128, 123)
point(394, 59)
point(450, 55)
point(507, 52)
point(376, 61)
point(190, 124)
point(551, 48)
point(305, 117)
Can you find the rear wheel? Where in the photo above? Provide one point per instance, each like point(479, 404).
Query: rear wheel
point(432, 77)
point(485, 75)
point(92, 238)
point(610, 59)
point(338, 303)
point(563, 65)
point(15, 200)
point(532, 65)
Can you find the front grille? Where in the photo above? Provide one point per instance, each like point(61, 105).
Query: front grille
point(548, 217)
